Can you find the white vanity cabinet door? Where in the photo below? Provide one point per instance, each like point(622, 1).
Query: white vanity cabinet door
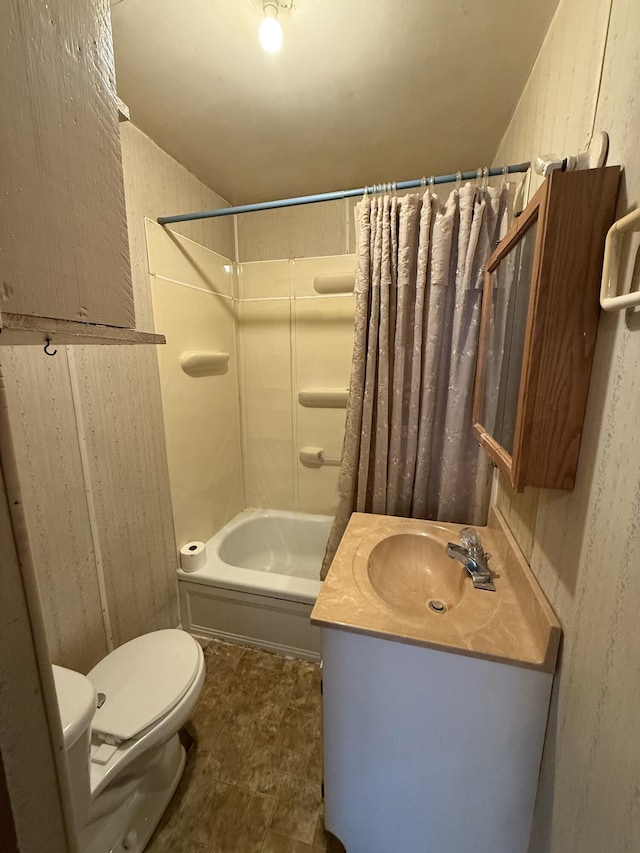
point(427, 751)
point(63, 239)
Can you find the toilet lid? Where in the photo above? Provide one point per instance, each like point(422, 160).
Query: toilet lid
point(142, 680)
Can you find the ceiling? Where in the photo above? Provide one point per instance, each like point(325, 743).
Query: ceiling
point(362, 91)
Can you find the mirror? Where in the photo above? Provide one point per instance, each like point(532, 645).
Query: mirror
point(509, 289)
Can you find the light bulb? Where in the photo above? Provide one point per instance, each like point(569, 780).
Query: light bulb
point(270, 31)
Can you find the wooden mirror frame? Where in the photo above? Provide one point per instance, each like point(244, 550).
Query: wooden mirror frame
point(510, 464)
point(574, 211)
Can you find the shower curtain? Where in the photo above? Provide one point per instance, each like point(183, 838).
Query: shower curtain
point(408, 447)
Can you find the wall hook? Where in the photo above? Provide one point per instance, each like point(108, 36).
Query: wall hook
point(46, 348)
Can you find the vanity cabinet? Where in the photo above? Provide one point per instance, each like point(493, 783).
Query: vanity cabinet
point(539, 324)
point(433, 718)
point(64, 252)
point(428, 751)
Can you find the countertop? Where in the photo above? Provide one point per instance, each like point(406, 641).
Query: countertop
point(513, 625)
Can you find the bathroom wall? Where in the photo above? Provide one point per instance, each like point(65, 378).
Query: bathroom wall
point(88, 427)
point(291, 338)
point(584, 546)
point(156, 184)
point(305, 231)
point(194, 305)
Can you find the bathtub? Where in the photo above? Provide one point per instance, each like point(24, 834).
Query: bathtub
point(260, 582)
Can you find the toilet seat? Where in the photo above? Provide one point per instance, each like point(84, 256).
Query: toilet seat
point(141, 681)
point(151, 684)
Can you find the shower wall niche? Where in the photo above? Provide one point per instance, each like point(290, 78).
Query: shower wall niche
point(234, 438)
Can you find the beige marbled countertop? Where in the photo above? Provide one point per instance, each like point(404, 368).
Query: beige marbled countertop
point(513, 625)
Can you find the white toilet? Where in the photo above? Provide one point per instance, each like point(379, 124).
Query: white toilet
point(120, 725)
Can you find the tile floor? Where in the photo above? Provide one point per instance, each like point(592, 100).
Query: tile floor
point(252, 783)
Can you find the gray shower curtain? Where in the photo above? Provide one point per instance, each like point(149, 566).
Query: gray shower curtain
point(408, 447)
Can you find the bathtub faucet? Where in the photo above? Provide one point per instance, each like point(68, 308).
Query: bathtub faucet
point(473, 557)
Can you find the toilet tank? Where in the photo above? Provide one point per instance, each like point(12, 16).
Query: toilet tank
point(77, 705)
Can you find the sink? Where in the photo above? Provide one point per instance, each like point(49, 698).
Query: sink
point(411, 572)
point(388, 572)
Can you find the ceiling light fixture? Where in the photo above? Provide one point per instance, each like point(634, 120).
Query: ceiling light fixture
point(270, 31)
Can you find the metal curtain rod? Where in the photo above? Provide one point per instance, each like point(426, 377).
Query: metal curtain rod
point(336, 196)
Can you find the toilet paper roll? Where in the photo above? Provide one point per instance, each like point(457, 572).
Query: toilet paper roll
point(193, 556)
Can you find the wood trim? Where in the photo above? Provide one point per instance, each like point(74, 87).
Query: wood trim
point(25, 329)
point(495, 450)
point(509, 464)
point(522, 223)
point(480, 361)
point(124, 113)
point(521, 447)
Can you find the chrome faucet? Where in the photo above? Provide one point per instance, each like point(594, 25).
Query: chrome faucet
point(473, 557)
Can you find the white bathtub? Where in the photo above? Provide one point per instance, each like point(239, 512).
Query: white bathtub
point(260, 582)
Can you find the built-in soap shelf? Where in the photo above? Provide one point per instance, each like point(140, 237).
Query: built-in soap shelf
point(313, 457)
point(323, 398)
point(204, 363)
point(334, 283)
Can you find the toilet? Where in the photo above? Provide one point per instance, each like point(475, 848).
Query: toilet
point(120, 724)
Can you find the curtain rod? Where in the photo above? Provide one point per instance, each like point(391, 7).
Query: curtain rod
point(340, 194)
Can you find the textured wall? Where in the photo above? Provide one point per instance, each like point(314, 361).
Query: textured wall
point(62, 214)
point(306, 231)
point(114, 399)
point(44, 428)
point(556, 109)
point(585, 545)
point(157, 185)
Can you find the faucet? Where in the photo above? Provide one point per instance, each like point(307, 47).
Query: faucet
point(473, 557)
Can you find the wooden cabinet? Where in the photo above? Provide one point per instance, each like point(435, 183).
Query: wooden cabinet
point(539, 325)
point(64, 253)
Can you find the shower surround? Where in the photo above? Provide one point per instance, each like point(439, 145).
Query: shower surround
point(234, 437)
